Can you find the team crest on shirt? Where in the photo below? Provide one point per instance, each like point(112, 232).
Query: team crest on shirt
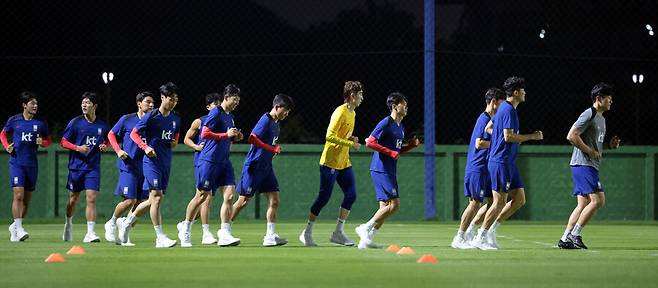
point(100, 131)
point(35, 128)
point(173, 123)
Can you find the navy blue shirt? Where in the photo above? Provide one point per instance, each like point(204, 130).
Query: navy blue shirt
point(267, 131)
point(24, 136)
point(122, 129)
point(476, 160)
point(501, 151)
point(390, 135)
point(199, 140)
point(160, 132)
point(81, 132)
point(218, 121)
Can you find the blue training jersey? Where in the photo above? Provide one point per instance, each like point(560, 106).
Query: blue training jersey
point(24, 136)
point(81, 132)
point(267, 131)
point(160, 132)
point(122, 129)
point(501, 151)
point(390, 135)
point(218, 121)
point(199, 140)
point(476, 160)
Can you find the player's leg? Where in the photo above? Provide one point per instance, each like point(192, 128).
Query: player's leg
point(597, 201)
point(184, 227)
point(271, 238)
point(327, 180)
point(204, 212)
point(161, 240)
point(17, 213)
point(385, 187)
point(240, 204)
point(347, 183)
point(91, 186)
point(75, 186)
point(582, 202)
point(224, 236)
point(467, 216)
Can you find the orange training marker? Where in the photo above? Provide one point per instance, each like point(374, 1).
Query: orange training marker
point(76, 250)
point(55, 257)
point(427, 258)
point(406, 251)
point(393, 248)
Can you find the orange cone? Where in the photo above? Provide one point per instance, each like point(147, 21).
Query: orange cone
point(393, 248)
point(427, 258)
point(406, 251)
point(55, 257)
point(76, 250)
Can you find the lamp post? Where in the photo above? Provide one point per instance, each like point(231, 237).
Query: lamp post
point(107, 79)
point(637, 81)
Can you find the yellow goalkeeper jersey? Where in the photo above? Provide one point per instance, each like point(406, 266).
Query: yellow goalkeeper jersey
point(336, 153)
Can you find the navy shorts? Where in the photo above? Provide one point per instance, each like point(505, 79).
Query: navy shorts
point(130, 185)
point(477, 186)
point(23, 176)
point(84, 180)
point(210, 176)
point(585, 180)
point(155, 177)
point(504, 177)
point(386, 186)
point(257, 179)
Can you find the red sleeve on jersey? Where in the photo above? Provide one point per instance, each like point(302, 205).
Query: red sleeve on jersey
point(177, 137)
point(68, 145)
point(206, 133)
point(253, 139)
point(372, 143)
point(113, 141)
point(134, 135)
point(3, 138)
point(45, 142)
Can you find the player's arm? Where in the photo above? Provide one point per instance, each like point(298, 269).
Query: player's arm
point(489, 128)
point(511, 137)
point(115, 145)
point(482, 144)
point(373, 144)
point(574, 138)
point(44, 141)
point(413, 143)
point(176, 139)
point(253, 139)
point(332, 132)
point(9, 147)
point(66, 144)
point(191, 134)
point(613, 144)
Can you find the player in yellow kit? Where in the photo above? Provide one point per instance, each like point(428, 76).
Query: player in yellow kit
point(335, 165)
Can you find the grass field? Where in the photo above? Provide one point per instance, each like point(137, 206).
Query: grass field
point(620, 255)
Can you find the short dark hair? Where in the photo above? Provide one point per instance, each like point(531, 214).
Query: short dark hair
point(283, 100)
point(142, 95)
point(91, 96)
point(494, 93)
point(602, 89)
point(513, 83)
point(212, 98)
point(351, 87)
point(27, 96)
point(231, 90)
point(169, 89)
point(394, 99)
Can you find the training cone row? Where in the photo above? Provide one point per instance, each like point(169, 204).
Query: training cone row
point(427, 258)
point(56, 257)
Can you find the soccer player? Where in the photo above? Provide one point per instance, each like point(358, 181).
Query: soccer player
point(129, 162)
point(215, 169)
point(335, 165)
point(587, 135)
point(211, 100)
point(477, 183)
point(505, 178)
point(28, 132)
point(85, 137)
point(161, 129)
point(386, 140)
point(257, 172)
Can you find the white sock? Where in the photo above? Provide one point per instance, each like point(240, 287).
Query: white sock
point(270, 228)
point(564, 236)
point(576, 230)
point(90, 226)
point(69, 220)
point(113, 220)
point(206, 229)
point(471, 227)
point(371, 223)
point(309, 227)
point(131, 219)
point(482, 232)
point(372, 232)
point(460, 233)
point(494, 227)
point(188, 225)
point(225, 226)
point(158, 231)
point(18, 223)
point(339, 225)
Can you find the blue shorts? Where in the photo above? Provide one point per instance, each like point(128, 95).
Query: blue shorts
point(585, 180)
point(210, 176)
point(130, 185)
point(84, 180)
point(257, 179)
point(386, 186)
point(477, 185)
point(23, 176)
point(504, 177)
point(155, 177)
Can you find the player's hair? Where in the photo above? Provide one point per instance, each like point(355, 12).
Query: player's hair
point(513, 83)
point(91, 96)
point(212, 98)
point(283, 100)
point(351, 87)
point(27, 96)
point(602, 89)
point(231, 90)
point(395, 98)
point(169, 89)
point(142, 95)
point(494, 93)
